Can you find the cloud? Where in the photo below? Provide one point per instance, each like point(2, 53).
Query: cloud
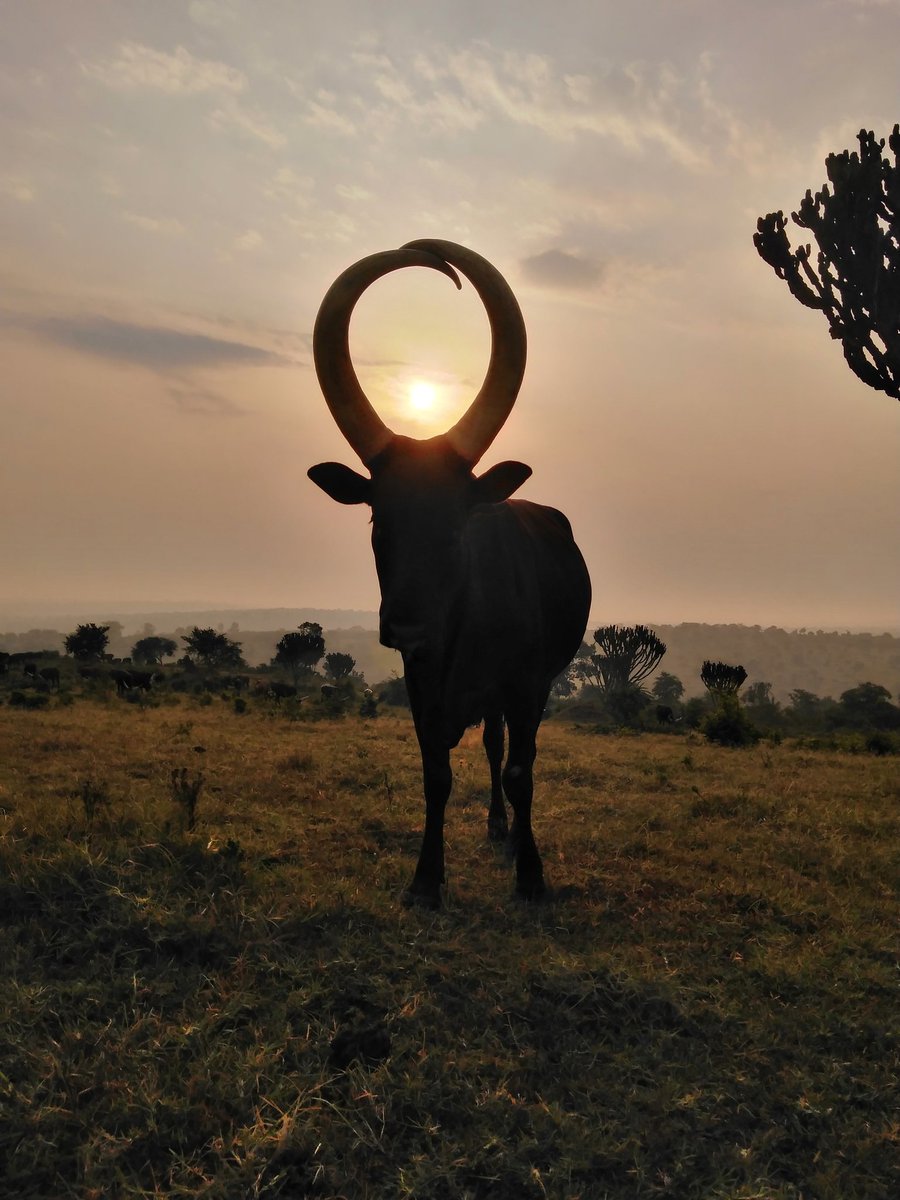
point(250, 239)
point(18, 187)
point(557, 268)
point(155, 347)
point(138, 66)
point(640, 106)
point(352, 191)
point(322, 113)
point(201, 401)
point(212, 14)
point(232, 116)
point(154, 224)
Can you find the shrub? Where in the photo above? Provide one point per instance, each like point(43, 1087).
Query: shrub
point(393, 691)
point(882, 743)
point(728, 724)
point(29, 700)
point(94, 797)
point(185, 792)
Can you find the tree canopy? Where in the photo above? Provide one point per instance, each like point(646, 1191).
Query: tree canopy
point(88, 641)
point(722, 679)
point(667, 688)
point(153, 649)
point(338, 665)
point(868, 705)
point(856, 280)
point(301, 649)
point(627, 655)
point(213, 649)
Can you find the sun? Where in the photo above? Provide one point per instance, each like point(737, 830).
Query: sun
point(422, 396)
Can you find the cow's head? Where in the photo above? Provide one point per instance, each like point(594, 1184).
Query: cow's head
point(420, 491)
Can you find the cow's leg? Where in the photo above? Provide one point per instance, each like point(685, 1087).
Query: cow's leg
point(425, 888)
point(518, 783)
point(497, 827)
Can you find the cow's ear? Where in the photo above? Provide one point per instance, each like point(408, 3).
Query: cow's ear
point(500, 482)
point(340, 483)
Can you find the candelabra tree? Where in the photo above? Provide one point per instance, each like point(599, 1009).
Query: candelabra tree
point(856, 279)
point(727, 724)
point(627, 655)
point(722, 679)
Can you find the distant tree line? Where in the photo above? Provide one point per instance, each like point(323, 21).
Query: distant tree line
point(825, 663)
point(609, 680)
point(612, 674)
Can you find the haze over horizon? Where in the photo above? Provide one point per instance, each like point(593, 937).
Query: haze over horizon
point(181, 184)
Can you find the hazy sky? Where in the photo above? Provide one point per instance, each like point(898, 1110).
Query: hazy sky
point(181, 182)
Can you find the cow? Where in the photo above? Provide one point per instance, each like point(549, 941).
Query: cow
point(280, 691)
point(143, 680)
point(234, 683)
point(126, 681)
point(486, 598)
point(50, 676)
point(122, 680)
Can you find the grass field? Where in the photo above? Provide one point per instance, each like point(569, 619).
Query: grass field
point(706, 1007)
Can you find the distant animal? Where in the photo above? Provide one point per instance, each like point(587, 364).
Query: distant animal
point(50, 675)
point(486, 598)
point(122, 680)
point(144, 680)
point(281, 691)
point(664, 714)
point(236, 683)
point(29, 669)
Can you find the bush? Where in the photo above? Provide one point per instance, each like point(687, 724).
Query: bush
point(882, 743)
point(29, 700)
point(728, 724)
point(393, 691)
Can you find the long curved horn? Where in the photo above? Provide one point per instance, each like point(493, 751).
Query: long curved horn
point(357, 420)
point(479, 425)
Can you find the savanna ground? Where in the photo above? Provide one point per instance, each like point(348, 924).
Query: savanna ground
point(706, 1007)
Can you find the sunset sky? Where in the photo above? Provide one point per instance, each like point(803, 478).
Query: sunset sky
point(181, 182)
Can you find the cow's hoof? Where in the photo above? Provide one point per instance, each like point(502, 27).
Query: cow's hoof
point(417, 896)
point(531, 889)
point(497, 831)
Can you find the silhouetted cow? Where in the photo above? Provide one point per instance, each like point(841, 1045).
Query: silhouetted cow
point(144, 680)
point(486, 598)
point(664, 714)
point(122, 680)
point(50, 676)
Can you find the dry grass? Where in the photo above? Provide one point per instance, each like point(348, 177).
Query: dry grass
point(705, 1008)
